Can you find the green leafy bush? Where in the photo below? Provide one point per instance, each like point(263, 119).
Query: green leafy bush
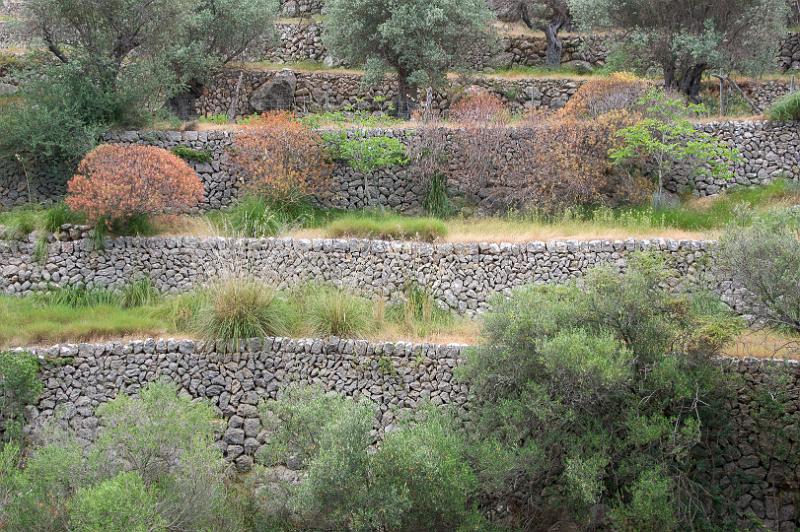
point(761, 256)
point(154, 466)
point(596, 394)
point(19, 386)
point(786, 108)
point(366, 153)
point(666, 138)
point(419, 479)
point(120, 504)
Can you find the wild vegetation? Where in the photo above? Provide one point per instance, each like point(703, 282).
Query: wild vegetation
point(598, 404)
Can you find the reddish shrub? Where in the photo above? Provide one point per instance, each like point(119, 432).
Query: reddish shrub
point(278, 156)
point(116, 182)
point(479, 107)
point(599, 96)
point(566, 164)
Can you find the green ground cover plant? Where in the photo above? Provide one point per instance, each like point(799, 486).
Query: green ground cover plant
point(343, 119)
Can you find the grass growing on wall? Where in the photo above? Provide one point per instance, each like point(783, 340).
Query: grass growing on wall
point(386, 226)
point(231, 310)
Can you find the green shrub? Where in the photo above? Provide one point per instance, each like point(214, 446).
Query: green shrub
point(39, 493)
point(19, 387)
point(419, 479)
point(386, 227)
point(192, 155)
point(366, 154)
point(762, 257)
point(154, 466)
point(786, 108)
point(333, 312)
point(121, 504)
point(586, 388)
point(239, 309)
point(425, 465)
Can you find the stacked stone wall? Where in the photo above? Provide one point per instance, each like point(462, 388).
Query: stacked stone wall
point(336, 91)
point(302, 41)
point(769, 150)
point(749, 471)
point(462, 277)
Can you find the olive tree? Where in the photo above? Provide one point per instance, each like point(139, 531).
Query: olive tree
point(548, 16)
point(686, 38)
point(419, 39)
point(160, 46)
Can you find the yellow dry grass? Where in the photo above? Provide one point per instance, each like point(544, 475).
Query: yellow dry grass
point(765, 344)
point(500, 230)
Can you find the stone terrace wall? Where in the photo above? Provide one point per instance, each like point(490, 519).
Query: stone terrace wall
point(301, 8)
point(397, 377)
point(263, 90)
point(769, 150)
point(302, 41)
point(326, 91)
point(461, 277)
point(789, 53)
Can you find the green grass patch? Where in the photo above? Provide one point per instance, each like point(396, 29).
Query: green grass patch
point(229, 311)
point(342, 119)
point(256, 216)
point(23, 220)
point(786, 108)
point(30, 320)
point(192, 155)
point(386, 226)
point(218, 119)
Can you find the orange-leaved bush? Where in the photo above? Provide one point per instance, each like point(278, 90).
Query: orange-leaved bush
point(117, 182)
point(479, 106)
point(278, 156)
point(599, 96)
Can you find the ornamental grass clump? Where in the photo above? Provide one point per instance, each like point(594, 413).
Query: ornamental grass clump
point(236, 310)
point(115, 184)
point(331, 311)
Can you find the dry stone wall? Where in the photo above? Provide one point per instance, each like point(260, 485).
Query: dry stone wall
point(301, 8)
point(769, 150)
point(302, 41)
point(337, 91)
point(761, 482)
point(461, 277)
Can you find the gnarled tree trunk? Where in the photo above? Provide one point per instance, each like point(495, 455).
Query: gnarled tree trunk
point(405, 97)
point(554, 45)
point(686, 82)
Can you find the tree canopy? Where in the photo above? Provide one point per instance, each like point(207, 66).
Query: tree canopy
point(686, 39)
point(419, 39)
